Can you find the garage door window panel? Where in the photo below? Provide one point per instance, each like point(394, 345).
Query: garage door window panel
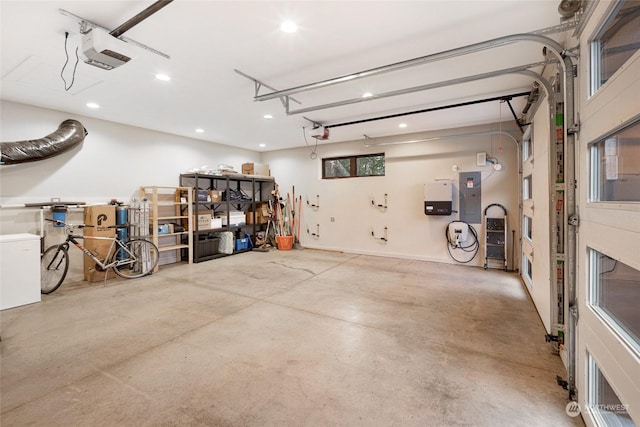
point(615, 296)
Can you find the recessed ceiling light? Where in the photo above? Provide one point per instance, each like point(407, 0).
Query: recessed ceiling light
point(402, 125)
point(163, 77)
point(92, 105)
point(367, 95)
point(199, 130)
point(268, 116)
point(289, 27)
point(262, 145)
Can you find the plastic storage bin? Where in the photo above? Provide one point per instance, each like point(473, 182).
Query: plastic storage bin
point(242, 244)
point(208, 245)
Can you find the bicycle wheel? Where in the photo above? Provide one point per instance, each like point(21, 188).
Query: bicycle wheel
point(54, 265)
point(142, 261)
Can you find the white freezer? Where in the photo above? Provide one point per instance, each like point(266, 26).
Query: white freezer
point(19, 270)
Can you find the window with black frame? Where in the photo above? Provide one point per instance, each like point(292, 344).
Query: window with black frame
point(353, 166)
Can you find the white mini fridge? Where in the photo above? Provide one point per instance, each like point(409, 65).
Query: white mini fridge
point(19, 270)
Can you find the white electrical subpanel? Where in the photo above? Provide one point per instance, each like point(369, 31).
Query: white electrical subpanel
point(438, 197)
point(481, 159)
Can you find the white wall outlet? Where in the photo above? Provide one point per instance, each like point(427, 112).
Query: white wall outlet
point(481, 159)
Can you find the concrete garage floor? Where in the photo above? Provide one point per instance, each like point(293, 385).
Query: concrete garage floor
point(296, 337)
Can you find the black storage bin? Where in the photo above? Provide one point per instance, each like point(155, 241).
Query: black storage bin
point(207, 245)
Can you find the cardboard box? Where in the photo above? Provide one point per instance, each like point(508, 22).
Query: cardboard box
point(259, 218)
point(216, 196)
point(203, 220)
point(235, 218)
point(100, 218)
point(262, 214)
point(91, 274)
point(216, 223)
point(264, 210)
point(256, 169)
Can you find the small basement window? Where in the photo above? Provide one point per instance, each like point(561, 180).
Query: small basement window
point(353, 166)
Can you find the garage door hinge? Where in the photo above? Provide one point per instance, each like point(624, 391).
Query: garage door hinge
point(551, 338)
point(573, 310)
point(562, 383)
point(574, 220)
point(573, 129)
point(575, 71)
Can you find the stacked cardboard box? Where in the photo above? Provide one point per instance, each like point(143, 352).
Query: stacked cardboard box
point(216, 196)
point(262, 214)
point(100, 218)
point(203, 219)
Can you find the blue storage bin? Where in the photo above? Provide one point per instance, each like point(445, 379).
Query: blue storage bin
point(242, 244)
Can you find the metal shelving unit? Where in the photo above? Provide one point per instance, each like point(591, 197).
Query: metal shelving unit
point(256, 190)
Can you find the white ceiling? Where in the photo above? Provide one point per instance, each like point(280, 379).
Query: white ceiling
point(207, 40)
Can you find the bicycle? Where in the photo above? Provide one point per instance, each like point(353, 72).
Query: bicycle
point(132, 259)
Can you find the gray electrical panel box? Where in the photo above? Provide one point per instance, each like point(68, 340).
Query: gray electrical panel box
point(438, 197)
point(470, 197)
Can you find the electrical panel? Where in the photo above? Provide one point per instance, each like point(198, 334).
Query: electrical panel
point(470, 197)
point(438, 197)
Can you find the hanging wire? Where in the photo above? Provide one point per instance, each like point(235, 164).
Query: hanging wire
point(66, 54)
point(314, 154)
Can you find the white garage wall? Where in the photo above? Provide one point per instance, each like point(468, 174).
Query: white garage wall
point(113, 162)
point(411, 234)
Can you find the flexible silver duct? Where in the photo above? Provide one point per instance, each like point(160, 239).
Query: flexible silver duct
point(69, 134)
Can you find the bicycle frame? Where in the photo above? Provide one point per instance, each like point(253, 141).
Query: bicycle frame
point(130, 260)
point(116, 244)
